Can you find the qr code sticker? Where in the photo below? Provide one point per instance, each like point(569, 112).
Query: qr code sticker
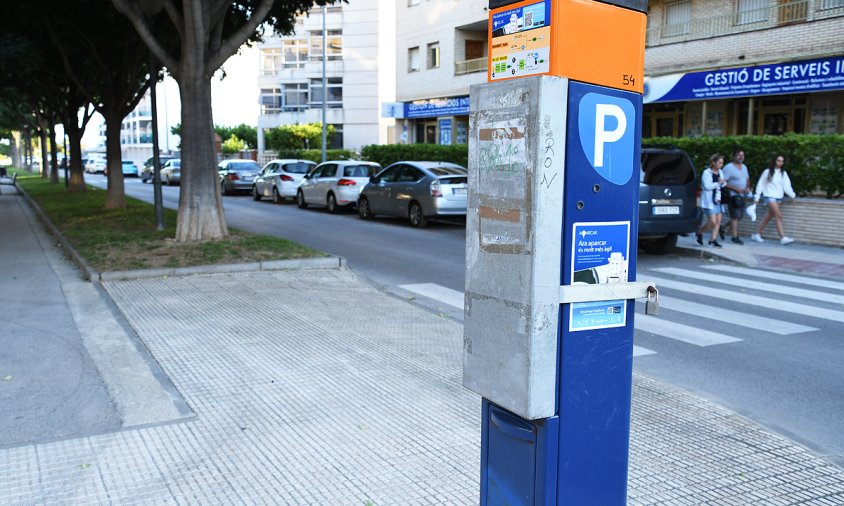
point(528, 20)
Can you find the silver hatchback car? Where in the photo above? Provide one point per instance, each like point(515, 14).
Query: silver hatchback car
point(416, 190)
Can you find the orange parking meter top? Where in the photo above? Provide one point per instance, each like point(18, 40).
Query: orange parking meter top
point(584, 40)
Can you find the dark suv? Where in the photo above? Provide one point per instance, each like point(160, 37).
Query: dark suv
point(667, 198)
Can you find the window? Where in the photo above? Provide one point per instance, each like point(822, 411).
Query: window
point(270, 61)
point(831, 4)
point(294, 96)
point(334, 89)
point(336, 141)
point(270, 100)
point(409, 175)
point(333, 45)
point(413, 62)
point(751, 11)
point(677, 18)
point(295, 53)
point(433, 55)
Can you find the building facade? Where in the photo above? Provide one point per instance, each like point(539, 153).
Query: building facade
point(360, 73)
point(441, 50)
point(728, 67)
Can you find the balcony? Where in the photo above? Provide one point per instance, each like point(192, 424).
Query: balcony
point(470, 66)
point(786, 13)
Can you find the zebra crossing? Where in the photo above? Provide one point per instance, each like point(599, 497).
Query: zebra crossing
point(749, 301)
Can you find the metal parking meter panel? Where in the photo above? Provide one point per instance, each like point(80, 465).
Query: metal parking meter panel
point(513, 236)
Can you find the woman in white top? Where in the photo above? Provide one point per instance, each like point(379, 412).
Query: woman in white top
point(711, 182)
point(774, 184)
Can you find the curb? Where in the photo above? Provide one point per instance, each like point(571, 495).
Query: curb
point(90, 274)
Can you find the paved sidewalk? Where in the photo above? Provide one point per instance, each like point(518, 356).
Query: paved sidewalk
point(313, 387)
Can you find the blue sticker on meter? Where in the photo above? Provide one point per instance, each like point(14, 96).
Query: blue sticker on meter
point(607, 131)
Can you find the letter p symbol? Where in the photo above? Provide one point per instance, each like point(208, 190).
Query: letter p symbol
point(604, 136)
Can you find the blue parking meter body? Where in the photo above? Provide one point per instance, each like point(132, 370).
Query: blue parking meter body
point(553, 190)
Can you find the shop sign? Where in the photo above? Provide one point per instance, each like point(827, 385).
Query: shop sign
point(458, 106)
point(809, 76)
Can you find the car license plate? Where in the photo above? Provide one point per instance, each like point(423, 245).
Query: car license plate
point(666, 210)
point(458, 191)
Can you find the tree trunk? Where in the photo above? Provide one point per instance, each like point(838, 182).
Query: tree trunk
point(45, 162)
point(54, 155)
point(200, 205)
point(77, 179)
point(116, 193)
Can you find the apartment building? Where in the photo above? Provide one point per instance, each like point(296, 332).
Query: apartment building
point(360, 73)
point(725, 67)
point(441, 50)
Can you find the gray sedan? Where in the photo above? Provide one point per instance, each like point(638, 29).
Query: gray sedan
point(237, 175)
point(416, 190)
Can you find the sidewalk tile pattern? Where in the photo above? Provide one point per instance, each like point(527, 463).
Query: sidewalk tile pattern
point(311, 387)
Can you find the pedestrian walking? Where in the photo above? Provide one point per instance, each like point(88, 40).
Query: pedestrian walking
point(738, 185)
point(711, 182)
point(773, 185)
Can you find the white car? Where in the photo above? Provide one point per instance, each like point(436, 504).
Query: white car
point(97, 166)
point(280, 179)
point(335, 184)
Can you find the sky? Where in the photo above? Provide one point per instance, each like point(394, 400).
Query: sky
point(234, 100)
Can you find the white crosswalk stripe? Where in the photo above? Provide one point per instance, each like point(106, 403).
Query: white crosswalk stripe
point(778, 276)
point(638, 351)
point(680, 332)
point(751, 300)
point(755, 285)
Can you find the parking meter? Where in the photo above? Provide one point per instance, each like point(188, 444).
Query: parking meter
point(551, 249)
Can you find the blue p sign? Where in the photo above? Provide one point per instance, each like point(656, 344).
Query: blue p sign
point(606, 127)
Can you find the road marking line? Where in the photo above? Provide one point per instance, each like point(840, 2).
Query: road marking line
point(436, 292)
point(752, 321)
point(680, 332)
point(638, 351)
point(779, 276)
point(754, 285)
point(751, 300)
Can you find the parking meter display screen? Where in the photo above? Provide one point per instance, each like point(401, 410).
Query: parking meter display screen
point(521, 41)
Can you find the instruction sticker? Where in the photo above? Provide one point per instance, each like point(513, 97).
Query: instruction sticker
point(521, 41)
point(600, 254)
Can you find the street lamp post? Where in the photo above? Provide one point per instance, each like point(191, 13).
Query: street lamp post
point(324, 86)
point(150, 8)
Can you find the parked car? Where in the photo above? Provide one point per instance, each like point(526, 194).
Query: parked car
point(237, 175)
point(129, 168)
point(147, 169)
point(280, 179)
point(416, 190)
point(171, 172)
point(97, 166)
point(667, 198)
point(335, 184)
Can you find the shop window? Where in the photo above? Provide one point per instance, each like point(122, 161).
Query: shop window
point(414, 63)
point(334, 89)
point(677, 18)
point(751, 11)
point(433, 55)
point(823, 119)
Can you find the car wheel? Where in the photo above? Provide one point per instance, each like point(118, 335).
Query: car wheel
point(661, 246)
point(255, 195)
point(417, 217)
point(276, 197)
point(331, 204)
point(364, 211)
point(300, 200)
point(168, 181)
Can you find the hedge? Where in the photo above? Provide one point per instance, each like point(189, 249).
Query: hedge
point(815, 163)
point(315, 155)
point(385, 154)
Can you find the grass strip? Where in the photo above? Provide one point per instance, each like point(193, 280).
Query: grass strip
point(126, 239)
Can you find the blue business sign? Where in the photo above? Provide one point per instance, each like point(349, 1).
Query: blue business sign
point(437, 107)
point(445, 131)
point(606, 127)
point(825, 74)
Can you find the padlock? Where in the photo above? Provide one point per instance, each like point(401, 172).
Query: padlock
point(652, 303)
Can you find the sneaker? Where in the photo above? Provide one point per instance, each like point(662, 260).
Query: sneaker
point(699, 239)
point(737, 240)
point(757, 238)
point(786, 240)
point(714, 244)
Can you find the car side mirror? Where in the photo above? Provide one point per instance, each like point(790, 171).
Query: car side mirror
point(374, 180)
point(307, 176)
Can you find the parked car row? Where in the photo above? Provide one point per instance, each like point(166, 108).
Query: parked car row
point(417, 190)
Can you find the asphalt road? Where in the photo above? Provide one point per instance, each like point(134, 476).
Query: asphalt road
point(729, 336)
